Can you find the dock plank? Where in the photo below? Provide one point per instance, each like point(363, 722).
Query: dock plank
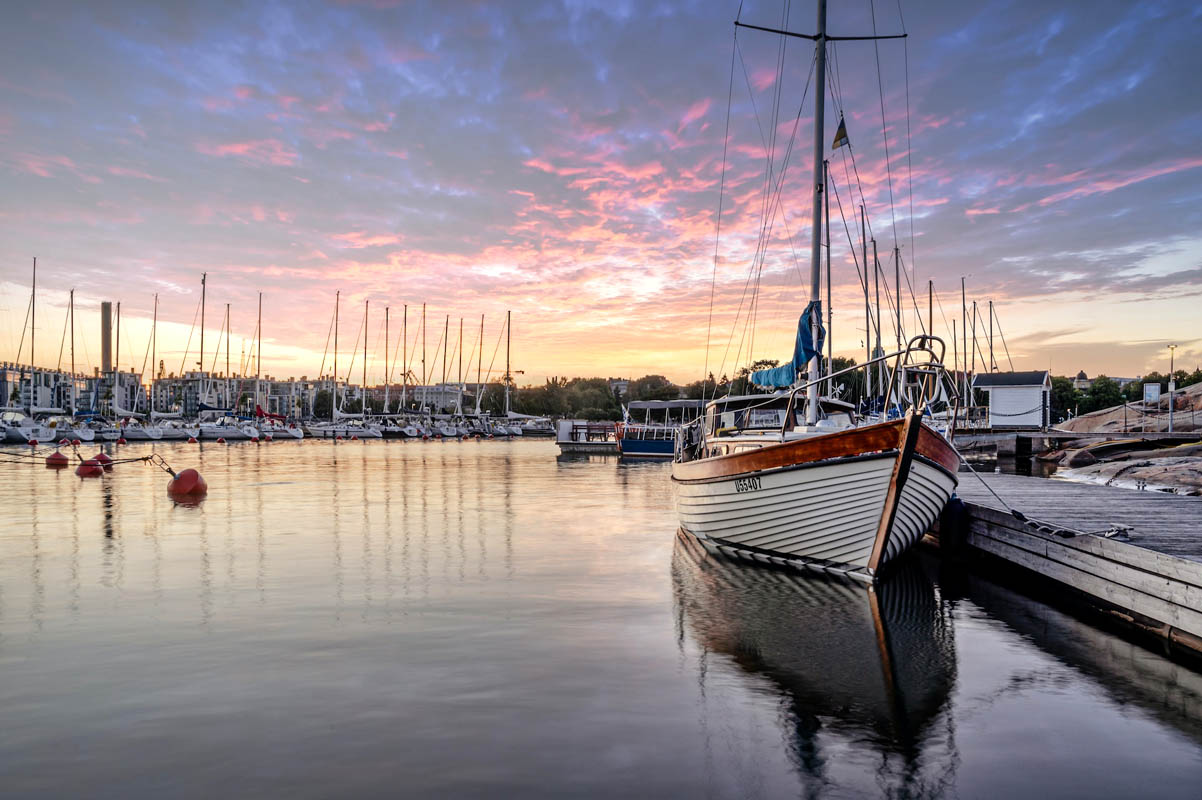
point(1160, 522)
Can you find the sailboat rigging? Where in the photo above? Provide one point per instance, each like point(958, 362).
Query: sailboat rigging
point(795, 477)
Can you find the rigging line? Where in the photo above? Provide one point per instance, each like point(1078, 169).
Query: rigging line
point(495, 349)
point(321, 372)
point(188, 346)
point(709, 322)
point(62, 343)
point(752, 273)
point(998, 320)
point(861, 275)
point(884, 131)
point(913, 300)
point(350, 371)
point(145, 357)
point(21, 346)
point(909, 145)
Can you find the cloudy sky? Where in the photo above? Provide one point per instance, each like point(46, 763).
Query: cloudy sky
point(567, 161)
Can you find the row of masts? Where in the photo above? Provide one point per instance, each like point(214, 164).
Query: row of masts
point(207, 389)
point(406, 370)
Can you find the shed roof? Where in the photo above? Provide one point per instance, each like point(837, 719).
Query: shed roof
point(990, 379)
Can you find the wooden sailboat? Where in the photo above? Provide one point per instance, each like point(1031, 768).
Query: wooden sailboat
point(794, 477)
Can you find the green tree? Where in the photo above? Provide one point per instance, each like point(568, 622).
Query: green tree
point(1065, 397)
point(702, 390)
point(1104, 393)
point(322, 405)
point(653, 387)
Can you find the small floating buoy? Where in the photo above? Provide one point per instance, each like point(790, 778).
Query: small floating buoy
point(425, 437)
point(122, 440)
point(33, 442)
point(76, 442)
point(187, 483)
point(191, 440)
point(220, 440)
point(267, 437)
point(354, 438)
point(89, 468)
point(64, 442)
point(56, 460)
point(102, 459)
point(255, 439)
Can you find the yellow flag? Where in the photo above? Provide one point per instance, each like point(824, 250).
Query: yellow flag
point(840, 135)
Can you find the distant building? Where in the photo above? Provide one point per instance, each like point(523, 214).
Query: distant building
point(1021, 400)
point(1084, 383)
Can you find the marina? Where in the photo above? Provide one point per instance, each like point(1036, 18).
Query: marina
point(796, 425)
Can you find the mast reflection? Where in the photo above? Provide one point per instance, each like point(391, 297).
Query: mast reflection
point(864, 666)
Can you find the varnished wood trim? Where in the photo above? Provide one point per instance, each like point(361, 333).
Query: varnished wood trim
point(906, 443)
point(935, 448)
point(852, 442)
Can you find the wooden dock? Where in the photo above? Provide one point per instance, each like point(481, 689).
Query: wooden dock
point(1147, 572)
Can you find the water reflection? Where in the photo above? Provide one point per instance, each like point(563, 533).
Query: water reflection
point(852, 664)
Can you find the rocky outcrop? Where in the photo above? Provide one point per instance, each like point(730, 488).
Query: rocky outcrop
point(1161, 471)
point(1135, 419)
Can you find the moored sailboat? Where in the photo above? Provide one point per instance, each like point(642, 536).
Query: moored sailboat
point(792, 477)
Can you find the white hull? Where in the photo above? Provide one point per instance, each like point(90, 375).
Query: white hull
point(227, 432)
point(334, 430)
point(827, 513)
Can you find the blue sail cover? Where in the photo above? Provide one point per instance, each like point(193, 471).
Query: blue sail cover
point(803, 350)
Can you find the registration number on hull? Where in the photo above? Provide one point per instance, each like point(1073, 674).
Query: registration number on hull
point(747, 484)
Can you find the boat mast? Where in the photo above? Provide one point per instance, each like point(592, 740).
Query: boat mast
point(334, 399)
point(459, 399)
point(363, 385)
point(992, 363)
point(898, 289)
point(154, 351)
point(479, 367)
point(867, 310)
point(508, 318)
point(116, 360)
point(33, 326)
point(423, 356)
point(404, 355)
point(259, 351)
point(830, 320)
point(73, 381)
point(816, 229)
point(387, 376)
point(964, 334)
point(204, 391)
point(878, 352)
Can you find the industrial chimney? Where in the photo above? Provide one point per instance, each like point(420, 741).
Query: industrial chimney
point(106, 338)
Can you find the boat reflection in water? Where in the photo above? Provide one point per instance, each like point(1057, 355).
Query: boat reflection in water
point(857, 666)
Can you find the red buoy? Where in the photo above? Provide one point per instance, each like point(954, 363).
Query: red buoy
point(220, 440)
point(76, 442)
point(33, 442)
point(187, 483)
point(89, 468)
point(255, 439)
point(102, 459)
point(338, 438)
point(267, 437)
point(354, 438)
point(64, 442)
point(121, 440)
point(56, 460)
point(191, 440)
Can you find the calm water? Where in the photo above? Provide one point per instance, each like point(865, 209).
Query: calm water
point(484, 619)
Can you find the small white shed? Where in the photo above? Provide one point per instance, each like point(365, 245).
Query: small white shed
point(1021, 400)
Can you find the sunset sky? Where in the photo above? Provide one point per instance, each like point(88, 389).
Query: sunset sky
point(564, 160)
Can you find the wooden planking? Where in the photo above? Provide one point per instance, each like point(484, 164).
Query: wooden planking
point(1163, 523)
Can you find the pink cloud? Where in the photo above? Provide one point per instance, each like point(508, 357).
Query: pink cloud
point(261, 151)
point(695, 112)
point(1121, 180)
point(359, 239)
point(125, 172)
point(761, 79)
point(977, 212)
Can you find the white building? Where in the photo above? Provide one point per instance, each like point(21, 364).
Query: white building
point(1017, 399)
